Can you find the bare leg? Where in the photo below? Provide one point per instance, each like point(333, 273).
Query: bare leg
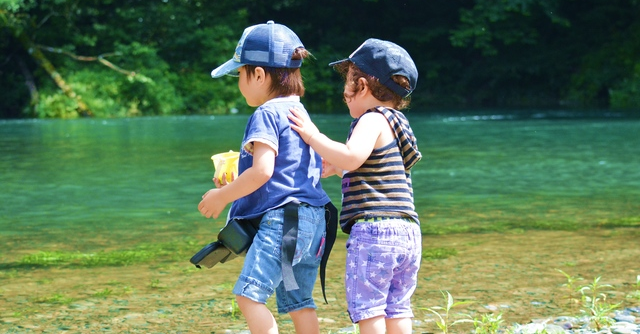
point(305, 321)
point(372, 326)
point(399, 326)
point(258, 316)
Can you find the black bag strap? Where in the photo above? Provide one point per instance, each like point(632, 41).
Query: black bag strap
point(289, 238)
point(331, 218)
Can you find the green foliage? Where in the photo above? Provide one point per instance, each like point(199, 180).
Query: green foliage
point(194, 82)
point(513, 226)
point(148, 91)
point(322, 83)
point(632, 221)
point(595, 305)
point(635, 295)
point(234, 310)
point(155, 284)
point(571, 287)
point(103, 293)
point(591, 293)
point(14, 5)
point(487, 324)
point(16, 98)
point(52, 104)
point(444, 319)
point(141, 254)
point(626, 94)
point(522, 53)
point(56, 298)
point(118, 258)
point(438, 253)
point(593, 297)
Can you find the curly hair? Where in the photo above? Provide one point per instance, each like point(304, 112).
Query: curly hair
point(352, 74)
point(284, 81)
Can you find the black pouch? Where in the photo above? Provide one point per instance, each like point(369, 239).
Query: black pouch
point(238, 235)
point(234, 240)
point(211, 255)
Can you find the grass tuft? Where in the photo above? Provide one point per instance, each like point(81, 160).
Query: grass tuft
point(438, 253)
point(141, 254)
point(56, 298)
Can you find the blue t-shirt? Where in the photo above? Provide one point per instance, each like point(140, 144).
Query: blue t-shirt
point(296, 174)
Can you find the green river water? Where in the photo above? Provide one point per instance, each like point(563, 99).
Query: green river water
point(91, 183)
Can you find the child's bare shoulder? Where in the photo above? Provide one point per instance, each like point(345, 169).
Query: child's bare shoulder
point(374, 116)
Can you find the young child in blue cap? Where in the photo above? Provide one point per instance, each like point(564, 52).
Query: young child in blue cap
point(384, 245)
point(275, 168)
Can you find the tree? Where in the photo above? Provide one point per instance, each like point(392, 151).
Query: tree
point(158, 53)
point(42, 60)
point(141, 34)
point(575, 51)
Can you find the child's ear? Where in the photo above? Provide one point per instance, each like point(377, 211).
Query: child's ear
point(364, 86)
point(260, 74)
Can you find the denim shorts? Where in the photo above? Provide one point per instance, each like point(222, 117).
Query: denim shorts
point(383, 259)
point(261, 274)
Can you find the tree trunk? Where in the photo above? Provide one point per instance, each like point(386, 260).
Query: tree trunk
point(31, 85)
point(37, 54)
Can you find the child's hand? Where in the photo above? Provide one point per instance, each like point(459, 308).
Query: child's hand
point(220, 184)
point(211, 205)
point(302, 125)
point(329, 169)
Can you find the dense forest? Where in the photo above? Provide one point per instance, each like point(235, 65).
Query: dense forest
point(120, 58)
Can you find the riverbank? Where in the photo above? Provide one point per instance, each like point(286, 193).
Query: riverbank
point(512, 274)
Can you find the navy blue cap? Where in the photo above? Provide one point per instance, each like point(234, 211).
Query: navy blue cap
point(383, 60)
point(268, 44)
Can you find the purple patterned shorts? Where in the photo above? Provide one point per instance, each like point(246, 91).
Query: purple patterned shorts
point(383, 259)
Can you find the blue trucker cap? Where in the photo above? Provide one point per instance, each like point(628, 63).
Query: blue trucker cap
point(269, 44)
point(383, 60)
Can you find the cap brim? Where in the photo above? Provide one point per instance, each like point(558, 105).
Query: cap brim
point(338, 62)
point(225, 68)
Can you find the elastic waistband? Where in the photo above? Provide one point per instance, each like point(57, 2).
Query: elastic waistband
point(381, 219)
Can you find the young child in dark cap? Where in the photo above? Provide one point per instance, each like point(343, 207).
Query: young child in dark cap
point(384, 245)
point(275, 168)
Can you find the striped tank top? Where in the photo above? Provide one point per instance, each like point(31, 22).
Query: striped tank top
point(381, 187)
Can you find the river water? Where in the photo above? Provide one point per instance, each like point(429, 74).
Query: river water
point(67, 181)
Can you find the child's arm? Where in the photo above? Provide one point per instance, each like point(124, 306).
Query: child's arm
point(215, 200)
point(347, 156)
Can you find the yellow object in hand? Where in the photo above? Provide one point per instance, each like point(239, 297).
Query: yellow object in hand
point(225, 163)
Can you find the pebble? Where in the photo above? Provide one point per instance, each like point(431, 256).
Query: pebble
point(626, 321)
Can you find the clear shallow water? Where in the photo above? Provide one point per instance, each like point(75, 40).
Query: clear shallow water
point(529, 172)
point(91, 183)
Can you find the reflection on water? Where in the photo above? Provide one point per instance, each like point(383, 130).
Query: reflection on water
point(67, 182)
